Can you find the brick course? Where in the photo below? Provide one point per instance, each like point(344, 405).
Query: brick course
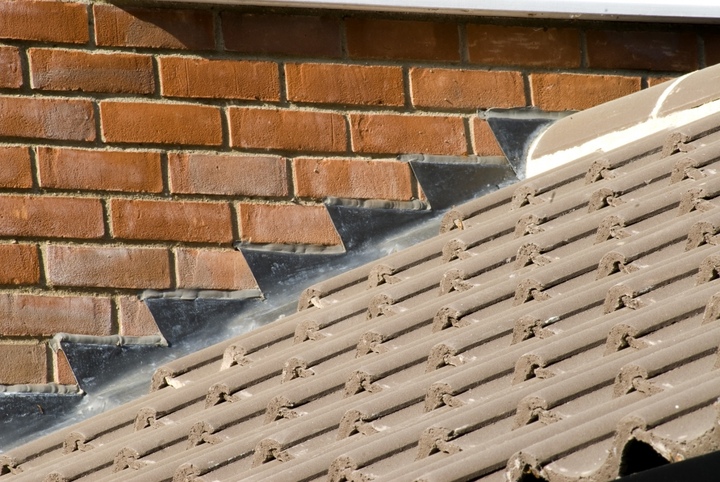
point(16, 169)
point(135, 317)
point(484, 142)
point(58, 69)
point(286, 224)
point(96, 170)
point(212, 270)
point(11, 73)
point(47, 118)
point(108, 267)
point(44, 21)
point(642, 50)
point(20, 264)
point(34, 315)
point(49, 217)
point(556, 92)
point(228, 175)
point(21, 364)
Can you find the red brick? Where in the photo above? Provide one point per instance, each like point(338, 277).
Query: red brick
point(170, 28)
point(286, 224)
point(293, 35)
point(56, 69)
point(52, 217)
point(524, 46)
point(466, 89)
point(20, 264)
point(287, 129)
point(653, 81)
point(642, 50)
point(135, 318)
point(11, 73)
point(128, 171)
point(558, 92)
point(369, 38)
point(149, 122)
point(44, 21)
point(345, 84)
point(484, 142)
point(47, 118)
point(357, 179)
point(405, 134)
point(16, 170)
point(33, 315)
point(21, 364)
point(219, 79)
point(712, 48)
point(107, 267)
point(63, 371)
point(171, 221)
point(228, 175)
point(212, 270)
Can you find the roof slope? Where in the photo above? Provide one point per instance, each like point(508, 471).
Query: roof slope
point(565, 328)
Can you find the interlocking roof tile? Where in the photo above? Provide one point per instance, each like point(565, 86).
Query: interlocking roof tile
point(554, 330)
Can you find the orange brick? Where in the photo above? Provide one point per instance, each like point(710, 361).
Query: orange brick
point(484, 142)
point(286, 224)
point(345, 84)
point(466, 89)
point(524, 46)
point(64, 374)
point(150, 122)
point(405, 134)
point(228, 79)
point(171, 221)
point(33, 315)
point(21, 364)
point(52, 217)
point(47, 118)
point(20, 264)
point(228, 175)
point(170, 28)
point(135, 318)
point(642, 50)
point(358, 179)
point(294, 35)
point(107, 267)
point(370, 38)
point(287, 129)
point(11, 73)
point(44, 21)
point(99, 170)
point(558, 92)
point(16, 171)
point(212, 270)
point(653, 81)
point(56, 69)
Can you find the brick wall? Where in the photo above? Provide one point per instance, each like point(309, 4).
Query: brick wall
point(136, 144)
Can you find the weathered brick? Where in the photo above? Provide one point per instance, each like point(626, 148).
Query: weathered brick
point(59, 69)
point(44, 21)
point(20, 264)
point(16, 170)
point(212, 270)
point(358, 179)
point(653, 81)
point(524, 46)
point(171, 221)
point(47, 118)
point(170, 28)
point(63, 371)
point(286, 224)
point(52, 217)
point(371, 38)
point(32, 315)
point(345, 84)
point(484, 142)
point(21, 364)
point(107, 267)
point(219, 79)
point(11, 73)
point(287, 129)
point(135, 318)
point(133, 171)
point(558, 92)
point(151, 122)
point(405, 134)
point(642, 50)
point(294, 35)
point(466, 89)
point(228, 175)
point(712, 48)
